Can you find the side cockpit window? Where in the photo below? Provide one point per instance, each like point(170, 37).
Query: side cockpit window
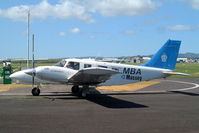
point(73, 65)
point(87, 65)
point(60, 64)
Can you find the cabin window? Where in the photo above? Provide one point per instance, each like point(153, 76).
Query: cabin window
point(73, 65)
point(60, 64)
point(102, 66)
point(87, 65)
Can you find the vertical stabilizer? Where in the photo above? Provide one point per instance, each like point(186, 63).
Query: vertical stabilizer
point(166, 57)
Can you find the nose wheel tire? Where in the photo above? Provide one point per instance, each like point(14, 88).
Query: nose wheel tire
point(35, 91)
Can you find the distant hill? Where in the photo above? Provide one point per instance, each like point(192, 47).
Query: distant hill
point(53, 60)
point(189, 55)
point(182, 55)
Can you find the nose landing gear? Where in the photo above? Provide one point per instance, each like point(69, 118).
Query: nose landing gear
point(35, 91)
point(75, 89)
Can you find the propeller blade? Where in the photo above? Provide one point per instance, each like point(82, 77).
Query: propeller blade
point(32, 72)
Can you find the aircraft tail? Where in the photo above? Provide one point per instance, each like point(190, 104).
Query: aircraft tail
point(166, 57)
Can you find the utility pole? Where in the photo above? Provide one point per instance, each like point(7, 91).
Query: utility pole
point(28, 32)
point(33, 51)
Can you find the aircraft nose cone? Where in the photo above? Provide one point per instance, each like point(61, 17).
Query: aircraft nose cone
point(13, 76)
point(17, 75)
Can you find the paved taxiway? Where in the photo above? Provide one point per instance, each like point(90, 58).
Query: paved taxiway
point(154, 109)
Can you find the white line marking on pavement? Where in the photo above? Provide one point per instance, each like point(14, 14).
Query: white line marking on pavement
point(183, 89)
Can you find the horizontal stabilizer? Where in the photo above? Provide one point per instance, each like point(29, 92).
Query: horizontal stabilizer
point(92, 76)
point(176, 73)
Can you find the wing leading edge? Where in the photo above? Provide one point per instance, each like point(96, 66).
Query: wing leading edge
point(92, 76)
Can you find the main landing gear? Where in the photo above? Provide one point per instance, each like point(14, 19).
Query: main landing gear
point(83, 92)
point(35, 91)
point(75, 89)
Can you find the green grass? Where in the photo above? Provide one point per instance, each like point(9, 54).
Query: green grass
point(17, 65)
point(189, 68)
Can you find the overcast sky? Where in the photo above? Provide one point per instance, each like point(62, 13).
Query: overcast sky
point(108, 28)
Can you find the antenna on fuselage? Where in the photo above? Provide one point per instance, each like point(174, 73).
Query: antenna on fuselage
point(97, 56)
point(122, 60)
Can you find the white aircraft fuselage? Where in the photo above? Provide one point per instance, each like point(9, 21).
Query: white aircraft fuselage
point(61, 74)
point(86, 72)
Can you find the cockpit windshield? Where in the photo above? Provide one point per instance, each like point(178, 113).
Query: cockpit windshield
point(60, 64)
point(73, 65)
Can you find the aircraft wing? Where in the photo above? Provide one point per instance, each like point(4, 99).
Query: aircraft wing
point(92, 76)
point(176, 73)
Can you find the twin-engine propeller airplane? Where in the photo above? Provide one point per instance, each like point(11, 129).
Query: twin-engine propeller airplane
point(82, 73)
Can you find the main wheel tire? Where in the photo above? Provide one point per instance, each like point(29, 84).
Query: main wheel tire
point(35, 91)
point(75, 89)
